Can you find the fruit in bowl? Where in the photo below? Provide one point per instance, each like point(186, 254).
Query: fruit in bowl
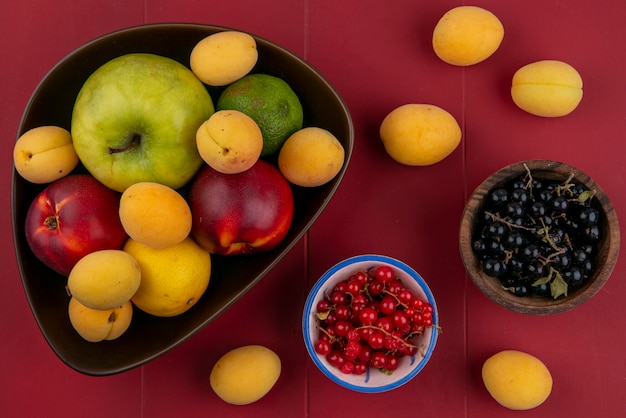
point(539, 237)
point(370, 323)
point(52, 104)
point(242, 213)
point(71, 218)
point(148, 135)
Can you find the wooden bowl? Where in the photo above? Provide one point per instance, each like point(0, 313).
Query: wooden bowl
point(608, 247)
point(150, 337)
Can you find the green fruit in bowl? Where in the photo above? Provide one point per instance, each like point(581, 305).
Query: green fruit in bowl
point(135, 119)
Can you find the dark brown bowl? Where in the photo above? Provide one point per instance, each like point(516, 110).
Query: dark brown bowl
point(608, 247)
point(150, 337)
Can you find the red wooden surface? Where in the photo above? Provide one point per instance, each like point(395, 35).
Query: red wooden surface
point(378, 56)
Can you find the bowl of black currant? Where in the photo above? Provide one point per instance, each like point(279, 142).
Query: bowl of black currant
point(539, 237)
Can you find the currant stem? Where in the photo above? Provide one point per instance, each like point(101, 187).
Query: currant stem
point(387, 333)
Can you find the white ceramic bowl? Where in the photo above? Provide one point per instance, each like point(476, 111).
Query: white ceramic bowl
point(373, 381)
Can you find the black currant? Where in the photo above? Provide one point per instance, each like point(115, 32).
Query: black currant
point(573, 276)
point(529, 252)
point(533, 230)
point(514, 240)
point(559, 204)
point(519, 195)
point(493, 267)
point(498, 197)
point(495, 230)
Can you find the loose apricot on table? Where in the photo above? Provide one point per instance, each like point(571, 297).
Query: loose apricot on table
point(419, 134)
point(547, 88)
point(517, 380)
point(245, 374)
point(467, 35)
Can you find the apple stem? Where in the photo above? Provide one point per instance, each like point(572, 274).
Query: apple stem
point(51, 222)
point(134, 139)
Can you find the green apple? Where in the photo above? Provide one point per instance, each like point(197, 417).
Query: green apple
point(135, 119)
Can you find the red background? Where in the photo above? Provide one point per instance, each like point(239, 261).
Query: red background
point(378, 56)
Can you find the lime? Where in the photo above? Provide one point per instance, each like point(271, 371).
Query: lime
point(270, 102)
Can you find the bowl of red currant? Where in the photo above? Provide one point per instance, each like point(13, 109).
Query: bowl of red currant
point(370, 323)
point(539, 237)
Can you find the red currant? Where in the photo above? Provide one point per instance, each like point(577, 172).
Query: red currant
point(352, 350)
point(353, 335)
point(417, 304)
point(368, 320)
point(410, 350)
point(384, 274)
point(323, 305)
point(391, 362)
point(366, 354)
point(365, 333)
point(360, 300)
point(405, 297)
point(375, 288)
point(338, 298)
point(331, 318)
point(400, 320)
point(379, 359)
point(418, 328)
point(360, 368)
point(384, 323)
point(394, 287)
point(347, 367)
point(342, 328)
point(388, 305)
point(341, 286)
point(322, 347)
point(343, 312)
point(335, 358)
point(368, 316)
point(376, 340)
point(354, 288)
point(361, 278)
point(405, 330)
point(391, 343)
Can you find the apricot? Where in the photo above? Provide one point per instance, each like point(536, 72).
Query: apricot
point(517, 380)
point(223, 57)
point(547, 88)
point(96, 325)
point(230, 141)
point(245, 374)
point(44, 154)
point(104, 279)
point(154, 214)
point(311, 157)
point(467, 35)
point(419, 134)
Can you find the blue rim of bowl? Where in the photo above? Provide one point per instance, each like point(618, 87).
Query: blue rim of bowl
point(307, 318)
